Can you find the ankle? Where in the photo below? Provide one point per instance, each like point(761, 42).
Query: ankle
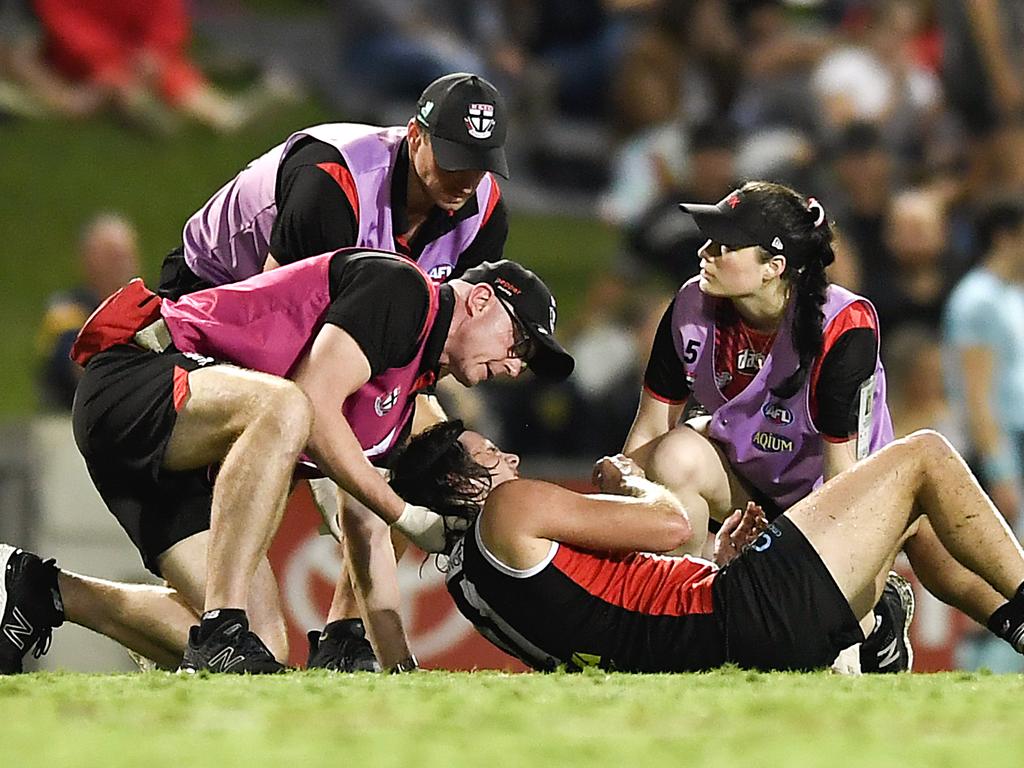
point(215, 619)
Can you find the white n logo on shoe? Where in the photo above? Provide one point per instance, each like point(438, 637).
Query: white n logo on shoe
point(890, 654)
point(18, 630)
point(225, 659)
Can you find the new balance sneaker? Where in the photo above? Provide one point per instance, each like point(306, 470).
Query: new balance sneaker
point(888, 648)
point(30, 606)
point(232, 648)
point(343, 647)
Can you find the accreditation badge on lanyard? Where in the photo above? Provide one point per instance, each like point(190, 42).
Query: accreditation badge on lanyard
point(865, 416)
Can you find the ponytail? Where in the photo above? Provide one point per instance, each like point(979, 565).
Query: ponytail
point(810, 288)
point(808, 252)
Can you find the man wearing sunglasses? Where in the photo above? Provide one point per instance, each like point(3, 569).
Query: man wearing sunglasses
point(249, 377)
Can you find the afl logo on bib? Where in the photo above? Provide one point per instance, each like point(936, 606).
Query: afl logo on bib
point(769, 442)
point(480, 121)
point(777, 413)
point(386, 402)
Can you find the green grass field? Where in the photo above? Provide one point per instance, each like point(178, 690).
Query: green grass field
point(449, 720)
point(55, 176)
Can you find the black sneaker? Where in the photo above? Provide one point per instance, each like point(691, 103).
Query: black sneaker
point(231, 648)
point(30, 606)
point(888, 648)
point(343, 647)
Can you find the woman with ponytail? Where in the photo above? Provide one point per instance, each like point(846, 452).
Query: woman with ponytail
point(784, 363)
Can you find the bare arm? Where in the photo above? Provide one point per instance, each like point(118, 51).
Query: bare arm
point(521, 512)
point(838, 457)
point(653, 419)
point(986, 26)
point(986, 434)
point(270, 263)
point(335, 368)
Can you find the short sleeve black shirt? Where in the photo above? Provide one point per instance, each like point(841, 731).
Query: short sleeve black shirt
point(847, 363)
point(315, 215)
point(382, 303)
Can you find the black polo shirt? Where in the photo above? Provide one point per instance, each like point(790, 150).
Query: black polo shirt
point(315, 215)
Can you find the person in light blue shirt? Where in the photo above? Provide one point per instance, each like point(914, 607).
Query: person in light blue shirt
point(983, 329)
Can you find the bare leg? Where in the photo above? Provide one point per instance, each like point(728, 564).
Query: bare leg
point(690, 466)
point(256, 424)
point(148, 619)
point(856, 520)
point(184, 566)
point(945, 578)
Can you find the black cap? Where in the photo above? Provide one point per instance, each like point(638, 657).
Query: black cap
point(530, 302)
point(466, 119)
point(738, 222)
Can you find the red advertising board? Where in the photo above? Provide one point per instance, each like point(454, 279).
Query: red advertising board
point(307, 566)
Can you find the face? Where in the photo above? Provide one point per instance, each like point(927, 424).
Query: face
point(732, 273)
point(486, 345)
point(449, 190)
point(503, 466)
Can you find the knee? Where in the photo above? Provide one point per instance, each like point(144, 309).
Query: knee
point(288, 411)
point(677, 461)
point(929, 446)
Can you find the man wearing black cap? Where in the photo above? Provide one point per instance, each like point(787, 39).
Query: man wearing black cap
point(249, 377)
point(425, 190)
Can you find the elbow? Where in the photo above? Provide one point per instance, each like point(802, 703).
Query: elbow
point(677, 531)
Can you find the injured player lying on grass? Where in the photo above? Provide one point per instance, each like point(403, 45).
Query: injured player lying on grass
point(562, 579)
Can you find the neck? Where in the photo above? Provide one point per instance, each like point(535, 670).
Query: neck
point(417, 199)
point(765, 309)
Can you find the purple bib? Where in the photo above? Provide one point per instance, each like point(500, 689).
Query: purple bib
point(770, 442)
point(268, 322)
point(228, 239)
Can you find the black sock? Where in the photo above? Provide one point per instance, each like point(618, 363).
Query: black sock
point(1008, 621)
point(221, 617)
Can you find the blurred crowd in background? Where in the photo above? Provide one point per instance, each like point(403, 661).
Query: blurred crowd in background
point(905, 118)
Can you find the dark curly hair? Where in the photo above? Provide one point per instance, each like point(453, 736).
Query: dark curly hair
point(435, 470)
point(806, 227)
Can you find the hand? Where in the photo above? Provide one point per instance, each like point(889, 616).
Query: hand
point(739, 530)
point(423, 527)
point(325, 496)
point(610, 473)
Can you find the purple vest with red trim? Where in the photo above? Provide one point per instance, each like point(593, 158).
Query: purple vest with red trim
point(228, 239)
point(268, 323)
point(770, 442)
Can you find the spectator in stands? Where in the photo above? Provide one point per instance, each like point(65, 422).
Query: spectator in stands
point(984, 334)
point(134, 55)
point(862, 172)
point(984, 337)
point(874, 76)
point(917, 262)
point(983, 73)
point(664, 240)
point(109, 258)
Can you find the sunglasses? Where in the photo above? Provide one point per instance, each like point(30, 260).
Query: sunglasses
point(523, 346)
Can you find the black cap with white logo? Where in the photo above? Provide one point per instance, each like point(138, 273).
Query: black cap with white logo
point(466, 119)
point(530, 303)
point(738, 222)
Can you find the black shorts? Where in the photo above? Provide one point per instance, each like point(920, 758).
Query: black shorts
point(779, 606)
point(177, 277)
point(124, 412)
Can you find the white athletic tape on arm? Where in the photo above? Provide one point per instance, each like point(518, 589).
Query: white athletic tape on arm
point(422, 526)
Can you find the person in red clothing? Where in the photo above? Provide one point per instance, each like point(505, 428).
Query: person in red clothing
point(563, 579)
point(134, 54)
